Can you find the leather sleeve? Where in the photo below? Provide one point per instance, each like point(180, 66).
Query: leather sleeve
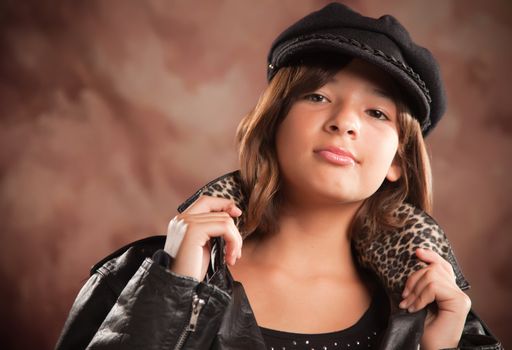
point(98, 295)
point(476, 335)
point(91, 305)
point(118, 308)
point(154, 309)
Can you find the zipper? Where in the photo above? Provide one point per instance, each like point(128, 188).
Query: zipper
point(197, 305)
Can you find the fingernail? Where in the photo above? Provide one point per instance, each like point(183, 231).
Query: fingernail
point(405, 293)
point(410, 309)
point(402, 304)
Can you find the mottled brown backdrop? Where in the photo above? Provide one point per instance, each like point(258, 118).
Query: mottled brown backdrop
point(113, 112)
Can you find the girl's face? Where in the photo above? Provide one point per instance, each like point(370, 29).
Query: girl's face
point(337, 144)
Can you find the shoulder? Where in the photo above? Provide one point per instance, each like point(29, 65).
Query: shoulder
point(129, 257)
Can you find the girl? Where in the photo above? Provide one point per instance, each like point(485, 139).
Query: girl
point(331, 158)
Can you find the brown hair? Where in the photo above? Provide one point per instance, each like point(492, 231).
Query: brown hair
point(259, 168)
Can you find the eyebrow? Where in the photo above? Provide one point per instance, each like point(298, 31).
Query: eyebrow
point(382, 93)
point(373, 90)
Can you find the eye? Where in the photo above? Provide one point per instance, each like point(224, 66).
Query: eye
point(375, 113)
point(314, 97)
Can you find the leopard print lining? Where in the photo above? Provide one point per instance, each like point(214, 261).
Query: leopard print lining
point(390, 255)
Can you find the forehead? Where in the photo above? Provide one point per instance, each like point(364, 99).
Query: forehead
point(378, 82)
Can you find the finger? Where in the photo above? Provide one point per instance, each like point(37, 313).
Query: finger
point(423, 297)
point(418, 279)
point(199, 233)
point(428, 277)
point(412, 280)
point(218, 217)
point(233, 250)
point(213, 204)
point(233, 239)
point(433, 284)
point(414, 289)
point(414, 285)
point(201, 217)
point(439, 291)
point(430, 256)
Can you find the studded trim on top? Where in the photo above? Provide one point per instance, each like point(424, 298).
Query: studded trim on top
point(366, 342)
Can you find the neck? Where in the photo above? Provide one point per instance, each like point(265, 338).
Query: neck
point(311, 240)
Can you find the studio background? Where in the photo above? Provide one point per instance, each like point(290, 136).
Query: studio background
point(114, 112)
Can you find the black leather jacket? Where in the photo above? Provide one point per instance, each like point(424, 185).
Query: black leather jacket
point(132, 301)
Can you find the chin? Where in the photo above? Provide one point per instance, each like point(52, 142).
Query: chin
point(345, 199)
point(336, 193)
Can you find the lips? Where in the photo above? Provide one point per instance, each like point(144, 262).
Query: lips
point(336, 155)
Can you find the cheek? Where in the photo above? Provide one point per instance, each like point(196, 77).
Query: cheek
point(380, 155)
point(291, 137)
point(285, 146)
point(292, 148)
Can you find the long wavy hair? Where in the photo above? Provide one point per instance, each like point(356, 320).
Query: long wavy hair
point(259, 167)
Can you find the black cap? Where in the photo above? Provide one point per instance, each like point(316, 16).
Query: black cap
point(383, 42)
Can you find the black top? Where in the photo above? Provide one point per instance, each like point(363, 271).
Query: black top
point(364, 334)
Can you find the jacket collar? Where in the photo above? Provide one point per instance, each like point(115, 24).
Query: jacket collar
point(375, 255)
point(404, 330)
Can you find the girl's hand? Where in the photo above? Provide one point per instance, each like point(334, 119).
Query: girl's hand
point(436, 282)
point(205, 218)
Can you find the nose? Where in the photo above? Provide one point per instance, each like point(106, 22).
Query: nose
point(344, 120)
